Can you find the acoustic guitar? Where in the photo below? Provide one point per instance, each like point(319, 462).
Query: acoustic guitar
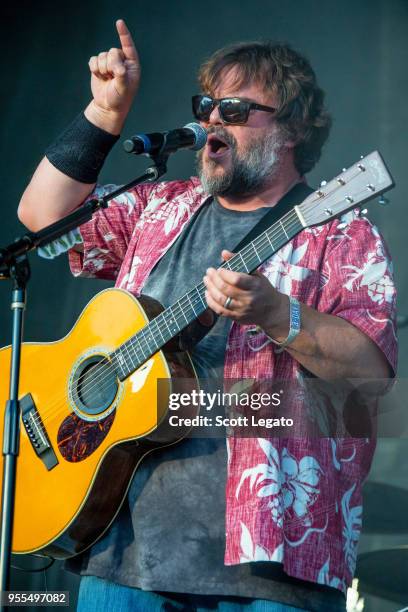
point(91, 404)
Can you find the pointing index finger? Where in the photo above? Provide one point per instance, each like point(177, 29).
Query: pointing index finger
point(126, 41)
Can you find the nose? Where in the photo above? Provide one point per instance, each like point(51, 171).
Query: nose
point(214, 118)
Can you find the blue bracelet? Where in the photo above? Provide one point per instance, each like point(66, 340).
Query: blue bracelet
point(294, 325)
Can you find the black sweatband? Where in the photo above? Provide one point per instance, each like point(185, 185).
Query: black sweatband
point(81, 149)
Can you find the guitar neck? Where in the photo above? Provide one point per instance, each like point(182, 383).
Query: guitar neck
point(359, 183)
point(140, 347)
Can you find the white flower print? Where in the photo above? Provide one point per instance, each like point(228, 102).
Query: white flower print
point(127, 199)
point(179, 209)
point(386, 320)
point(257, 552)
point(155, 211)
point(292, 485)
point(315, 230)
point(301, 480)
point(351, 529)
point(382, 290)
point(283, 268)
point(336, 461)
point(323, 577)
point(373, 274)
point(343, 227)
point(154, 203)
point(102, 190)
point(95, 258)
point(127, 280)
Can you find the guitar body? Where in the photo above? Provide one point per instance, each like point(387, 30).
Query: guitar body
point(84, 431)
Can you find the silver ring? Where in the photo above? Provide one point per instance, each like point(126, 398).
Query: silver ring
point(227, 302)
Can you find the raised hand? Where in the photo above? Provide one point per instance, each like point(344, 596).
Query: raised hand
point(114, 82)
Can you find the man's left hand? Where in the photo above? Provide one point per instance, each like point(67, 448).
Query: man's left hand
point(253, 299)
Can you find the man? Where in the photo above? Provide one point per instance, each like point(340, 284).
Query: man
point(292, 513)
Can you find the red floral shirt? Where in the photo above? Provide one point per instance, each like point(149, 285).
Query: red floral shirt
point(296, 501)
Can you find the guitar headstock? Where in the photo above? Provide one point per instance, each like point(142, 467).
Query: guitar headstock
point(364, 180)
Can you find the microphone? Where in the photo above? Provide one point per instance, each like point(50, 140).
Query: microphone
point(191, 136)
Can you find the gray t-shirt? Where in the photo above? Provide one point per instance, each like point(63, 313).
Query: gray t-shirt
point(170, 532)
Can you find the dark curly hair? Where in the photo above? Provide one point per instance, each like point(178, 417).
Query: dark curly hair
point(278, 68)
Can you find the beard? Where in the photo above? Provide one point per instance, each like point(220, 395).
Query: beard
point(250, 170)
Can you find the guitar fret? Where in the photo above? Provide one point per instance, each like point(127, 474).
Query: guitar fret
point(270, 241)
point(256, 252)
point(183, 313)
point(231, 265)
point(283, 227)
point(140, 346)
point(243, 261)
point(127, 350)
point(153, 343)
point(200, 298)
point(120, 360)
point(135, 357)
point(173, 321)
point(191, 304)
point(160, 332)
point(167, 325)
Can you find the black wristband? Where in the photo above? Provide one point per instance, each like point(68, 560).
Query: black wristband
point(81, 149)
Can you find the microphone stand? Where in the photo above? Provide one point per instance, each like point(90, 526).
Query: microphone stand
point(14, 265)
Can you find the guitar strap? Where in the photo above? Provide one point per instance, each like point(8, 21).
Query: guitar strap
point(292, 198)
point(196, 331)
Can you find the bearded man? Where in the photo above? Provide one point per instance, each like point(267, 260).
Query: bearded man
point(195, 532)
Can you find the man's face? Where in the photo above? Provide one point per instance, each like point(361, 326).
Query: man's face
point(240, 160)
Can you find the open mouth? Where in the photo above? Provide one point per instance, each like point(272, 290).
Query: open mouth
point(216, 146)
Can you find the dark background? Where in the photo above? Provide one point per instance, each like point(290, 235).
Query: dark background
point(357, 48)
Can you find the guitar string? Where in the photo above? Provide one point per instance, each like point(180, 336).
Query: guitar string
point(157, 326)
point(48, 412)
point(111, 367)
point(191, 302)
point(132, 343)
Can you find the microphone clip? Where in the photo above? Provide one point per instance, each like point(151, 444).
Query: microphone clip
point(159, 167)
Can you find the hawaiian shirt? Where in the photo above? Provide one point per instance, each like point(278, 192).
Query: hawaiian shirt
point(296, 501)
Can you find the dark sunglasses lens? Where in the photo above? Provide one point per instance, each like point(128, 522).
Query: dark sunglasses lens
point(202, 107)
point(234, 110)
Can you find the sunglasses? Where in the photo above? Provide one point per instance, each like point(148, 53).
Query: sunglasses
point(232, 110)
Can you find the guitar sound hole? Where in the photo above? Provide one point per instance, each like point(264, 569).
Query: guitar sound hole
point(94, 385)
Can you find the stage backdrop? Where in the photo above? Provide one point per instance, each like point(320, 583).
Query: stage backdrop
point(358, 49)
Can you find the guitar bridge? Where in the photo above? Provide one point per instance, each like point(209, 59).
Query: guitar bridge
point(36, 432)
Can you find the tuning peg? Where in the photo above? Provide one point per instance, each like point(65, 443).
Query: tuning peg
point(383, 201)
point(323, 183)
point(364, 211)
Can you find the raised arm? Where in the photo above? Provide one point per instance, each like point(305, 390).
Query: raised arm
point(115, 76)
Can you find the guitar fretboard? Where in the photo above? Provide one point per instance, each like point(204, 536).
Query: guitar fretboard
point(139, 348)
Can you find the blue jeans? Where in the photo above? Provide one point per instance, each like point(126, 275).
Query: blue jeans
point(102, 595)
